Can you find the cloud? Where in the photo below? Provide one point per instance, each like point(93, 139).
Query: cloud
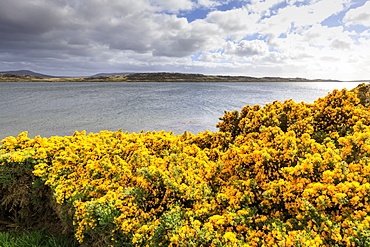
point(292, 17)
point(323, 36)
point(261, 37)
point(210, 3)
point(247, 48)
point(187, 39)
point(213, 57)
point(235, 21)
point(174, 5)
point(340, 45)
point(31, 17)
point(131, 25)
point(263, 8)
point(360, 15)
point(44, 23)
point(312, 44)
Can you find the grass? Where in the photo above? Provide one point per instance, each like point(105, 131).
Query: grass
point(36, 238)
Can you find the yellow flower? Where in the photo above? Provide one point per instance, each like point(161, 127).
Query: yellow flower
point(230, 236)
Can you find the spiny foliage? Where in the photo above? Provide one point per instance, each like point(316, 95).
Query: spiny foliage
point(286, 174)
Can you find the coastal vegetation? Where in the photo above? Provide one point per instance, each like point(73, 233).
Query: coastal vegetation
point(35, 238)
point(283, 174)
point(149, 77)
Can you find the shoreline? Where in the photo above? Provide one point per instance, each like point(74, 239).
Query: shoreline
point(156, 77)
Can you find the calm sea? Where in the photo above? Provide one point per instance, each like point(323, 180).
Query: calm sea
point(49, 109)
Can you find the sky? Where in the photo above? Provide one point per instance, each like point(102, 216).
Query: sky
point(326, 39)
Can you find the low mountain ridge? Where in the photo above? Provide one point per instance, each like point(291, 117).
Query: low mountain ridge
point(112, 74)
point(27, 72)
point(27, 75)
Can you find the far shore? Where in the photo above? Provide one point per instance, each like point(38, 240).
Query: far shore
point(155, 77)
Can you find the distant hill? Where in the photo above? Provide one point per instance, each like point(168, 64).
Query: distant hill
point(111, 74)
point(32, 73)
point(184, 77)
point(27, 75)
point(27, 72)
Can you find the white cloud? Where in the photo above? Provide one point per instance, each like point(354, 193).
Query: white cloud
point(209, 3)
point(213, 57)
point(263, 7)
point(236, 22)
point(319, 35)
point(360, 15)
point(307, 15)
point(315, 42)
point(340, 44)
point(247, 48)
point(174, 5)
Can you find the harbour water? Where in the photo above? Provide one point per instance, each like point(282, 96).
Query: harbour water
point(48, 109)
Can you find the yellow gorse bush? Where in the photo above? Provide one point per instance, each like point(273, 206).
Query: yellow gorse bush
point(286, 174)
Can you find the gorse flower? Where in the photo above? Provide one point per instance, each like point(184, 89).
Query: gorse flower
point(286, 174)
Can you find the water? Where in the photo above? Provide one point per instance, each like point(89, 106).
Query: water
point(48, 109)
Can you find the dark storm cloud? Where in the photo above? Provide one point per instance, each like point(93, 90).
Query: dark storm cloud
point(58, 25)
point(27, 18)
point(35, 25)
point(53, 20)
